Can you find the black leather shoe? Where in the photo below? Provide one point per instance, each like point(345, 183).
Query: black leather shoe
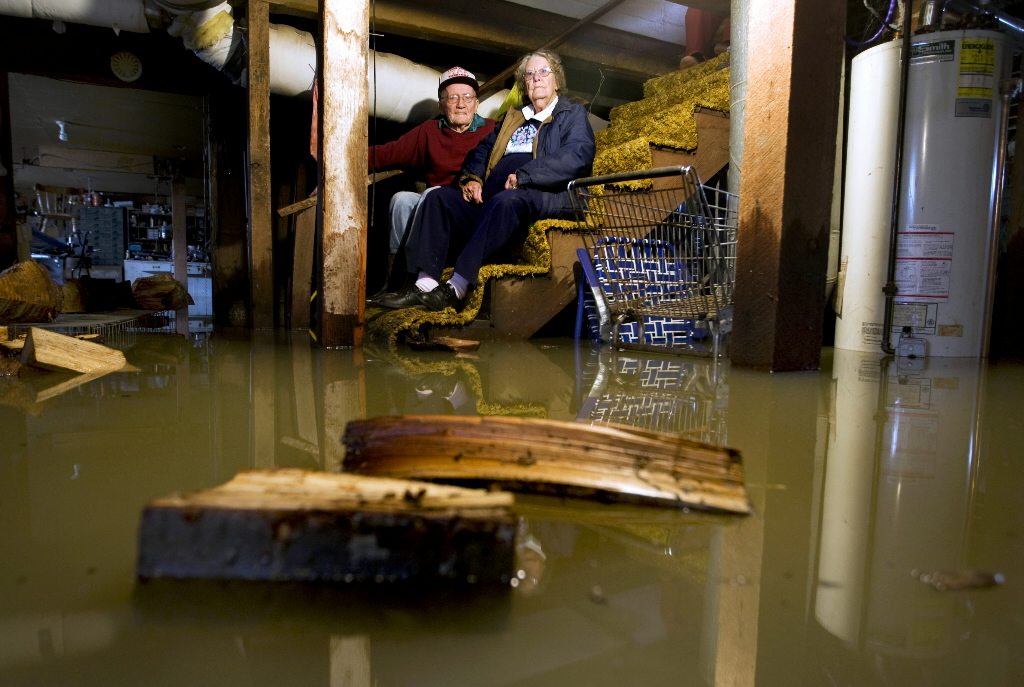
point(409, 297)
point(440, 298)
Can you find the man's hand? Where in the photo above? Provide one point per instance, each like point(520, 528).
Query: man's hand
point(473, 192)
point(511, 182)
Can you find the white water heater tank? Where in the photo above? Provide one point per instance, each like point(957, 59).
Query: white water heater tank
point(954, 126)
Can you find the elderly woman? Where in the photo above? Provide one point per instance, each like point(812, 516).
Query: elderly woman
point(514, 177)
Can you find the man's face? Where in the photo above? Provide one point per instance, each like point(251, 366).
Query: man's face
point(458, 104)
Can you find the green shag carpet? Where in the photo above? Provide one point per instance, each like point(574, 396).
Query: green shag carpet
point(461, 369)
point(386, 325)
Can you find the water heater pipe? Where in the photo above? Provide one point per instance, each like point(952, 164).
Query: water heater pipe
point(982, 8)
point(897, 184)
point(1008, 89)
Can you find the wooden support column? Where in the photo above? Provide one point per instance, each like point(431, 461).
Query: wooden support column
point(8, 219)
point(344, 108)
point(179, 246)
point(261, 260)
point(263, 404)
point(795, 50)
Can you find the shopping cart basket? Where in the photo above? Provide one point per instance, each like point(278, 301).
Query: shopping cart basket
point(661, 248)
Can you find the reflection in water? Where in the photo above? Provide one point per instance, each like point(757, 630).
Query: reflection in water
point(900, 483)
point(683, 394)
point(859, 475)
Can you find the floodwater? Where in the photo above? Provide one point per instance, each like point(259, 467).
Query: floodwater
point(865, 478)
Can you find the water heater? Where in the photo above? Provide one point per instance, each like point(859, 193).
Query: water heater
point(955, 124)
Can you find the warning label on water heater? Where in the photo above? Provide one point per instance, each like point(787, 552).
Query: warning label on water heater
point(924, 261)
point(977, 82)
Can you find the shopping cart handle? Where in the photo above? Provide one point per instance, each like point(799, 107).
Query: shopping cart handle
point(657, 172)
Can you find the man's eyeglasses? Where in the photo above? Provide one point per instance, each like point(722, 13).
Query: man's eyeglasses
point(454, 98)
point(542, 72)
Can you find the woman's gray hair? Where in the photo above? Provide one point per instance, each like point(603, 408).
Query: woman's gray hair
point(556, 68)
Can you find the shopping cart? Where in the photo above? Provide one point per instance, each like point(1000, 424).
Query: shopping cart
point(660, 258)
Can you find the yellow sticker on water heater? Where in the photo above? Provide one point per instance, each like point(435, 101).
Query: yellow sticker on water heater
point(977, 68)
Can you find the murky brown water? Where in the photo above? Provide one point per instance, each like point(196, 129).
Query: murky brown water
point(861, 475)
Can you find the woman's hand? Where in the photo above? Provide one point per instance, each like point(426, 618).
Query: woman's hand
point(473, 192)
point(512, 181)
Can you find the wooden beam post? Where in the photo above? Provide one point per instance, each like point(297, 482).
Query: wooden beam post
point(8, 220)
point(792, 107)
point(261, 260)
point(344, 108)
point(179, 246)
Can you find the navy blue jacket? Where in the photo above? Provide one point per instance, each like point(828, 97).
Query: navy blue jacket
point(562, 151)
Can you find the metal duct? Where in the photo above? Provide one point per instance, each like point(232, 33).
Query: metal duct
point(120, 15)
point(401, 90)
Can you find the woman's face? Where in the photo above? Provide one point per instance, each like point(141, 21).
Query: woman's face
point(540, 82)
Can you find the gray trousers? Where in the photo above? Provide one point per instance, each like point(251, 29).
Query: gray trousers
point(403, 218)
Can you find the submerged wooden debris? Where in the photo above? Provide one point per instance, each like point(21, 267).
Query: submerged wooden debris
point(445, 343)
point(54, 351)
point(16, 344)
point(958, 580)
point(296, 525)
point(548, 456)
point(48, 364)
point(28, 294)
point(95, 295)
point(160, 292)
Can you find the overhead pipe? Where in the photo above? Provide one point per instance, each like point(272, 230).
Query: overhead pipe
point(982, 8)
point(401, 89)
point(120, 15)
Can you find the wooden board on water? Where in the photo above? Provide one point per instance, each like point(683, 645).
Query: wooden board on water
point(548, 456)
point(296, 525)
point(53, 351)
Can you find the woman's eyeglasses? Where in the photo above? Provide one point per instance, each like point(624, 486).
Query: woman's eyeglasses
point(542, 72)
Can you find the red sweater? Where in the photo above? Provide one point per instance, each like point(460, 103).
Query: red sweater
point(432, 148)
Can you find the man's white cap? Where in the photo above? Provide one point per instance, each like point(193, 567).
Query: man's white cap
point(457, 75)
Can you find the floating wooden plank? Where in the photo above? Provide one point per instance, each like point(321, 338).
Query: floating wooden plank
point(959, 580)
point(298, 525)
point(28, 294)
point(610, 463)
point(53, 351)
point(16, 344)
point(160, 292)
point(445, 343)
point(52, 386)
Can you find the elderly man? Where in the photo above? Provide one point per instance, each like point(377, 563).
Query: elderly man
point(436, 148)
point(516, 176)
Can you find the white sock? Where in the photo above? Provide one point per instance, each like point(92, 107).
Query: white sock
point(459, 284)
point(424, 282)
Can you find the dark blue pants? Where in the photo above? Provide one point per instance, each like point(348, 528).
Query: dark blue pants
point(474, 232)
